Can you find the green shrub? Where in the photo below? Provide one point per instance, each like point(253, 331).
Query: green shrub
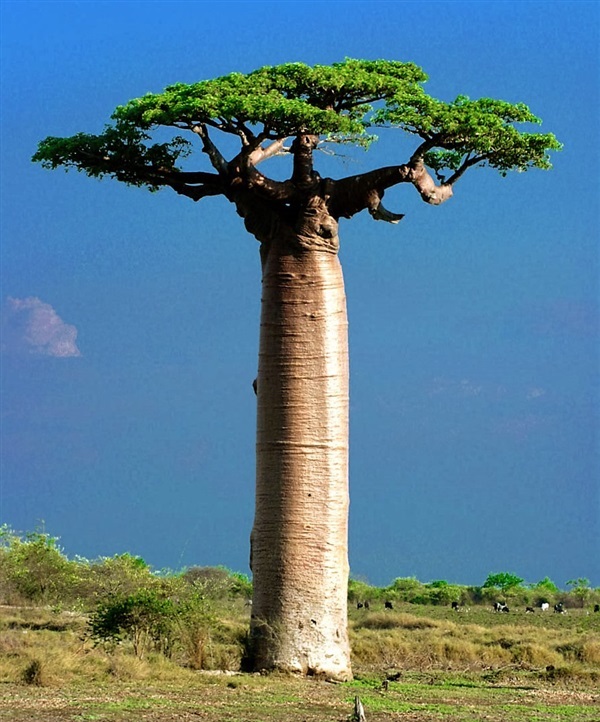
point(143, 618)
point(34, 568)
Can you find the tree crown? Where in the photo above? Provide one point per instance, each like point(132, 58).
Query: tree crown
point(340, 103)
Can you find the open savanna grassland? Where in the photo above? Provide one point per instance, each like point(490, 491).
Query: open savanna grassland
point(413, 663)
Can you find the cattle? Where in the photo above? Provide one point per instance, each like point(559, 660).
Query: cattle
point(559, 608)
point(455, 606)
point(597, 607)
point(366, 605)
point(388, 605)
point(359, 605)
point(544, 606)
point(529, 610)
point(501, 607)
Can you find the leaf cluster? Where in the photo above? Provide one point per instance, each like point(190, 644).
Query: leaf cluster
point(342, 102)
point(122, 152)
point(503, 581)
point(285, 100)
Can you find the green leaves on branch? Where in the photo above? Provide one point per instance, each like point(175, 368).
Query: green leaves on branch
point(503, 581)
point(472, 131)
point(121, 152)
point(285, 100)
point(341, 102)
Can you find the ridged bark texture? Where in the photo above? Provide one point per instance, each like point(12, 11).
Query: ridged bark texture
point(299, 553)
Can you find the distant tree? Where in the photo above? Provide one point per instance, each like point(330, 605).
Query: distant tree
point(504, 581)
point(546, 584)
point(35, 567)
point(219, 582)
point(299, 555)
point(580, 589)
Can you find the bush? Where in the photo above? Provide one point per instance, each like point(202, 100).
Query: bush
point(143, 618)
point(34, 568)
point(219, 583)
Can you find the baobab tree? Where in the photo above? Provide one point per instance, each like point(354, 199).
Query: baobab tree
point(298, 554)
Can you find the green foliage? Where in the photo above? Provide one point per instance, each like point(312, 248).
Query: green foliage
point(580, 588)
point(195, 621)
point(142, 618)
point(360, 591)
point(545, 585)
point(219, 582)
point(34, 567)
point(472, 130)
point(121, 152)
point(285, 100)
point(505, 581)
point(121, 574)
point(339, 102)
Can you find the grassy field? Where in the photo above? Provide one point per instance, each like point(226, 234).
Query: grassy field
point(414, 663)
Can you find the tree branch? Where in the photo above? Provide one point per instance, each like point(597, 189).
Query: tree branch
point(421, 179)
point(258, 155)
point(195, 192)
point(353, 194)
point(268, 188)
point(467, 164)
point(218, 162)
point(303, 175)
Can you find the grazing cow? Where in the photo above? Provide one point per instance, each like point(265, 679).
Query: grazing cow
point(501, 607)
point(544, 606)
point(366, 605)
point(359, 605)
point(455, 606)
point(388, 605)
point(559, 608)
point(529, 610)
point(597, 607)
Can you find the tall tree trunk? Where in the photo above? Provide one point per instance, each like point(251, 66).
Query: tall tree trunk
point(299, 553)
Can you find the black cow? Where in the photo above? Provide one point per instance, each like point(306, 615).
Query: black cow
point(529, 610)
point(455, 606)
point(388, 605)
point(597, 607)
point(559, 608)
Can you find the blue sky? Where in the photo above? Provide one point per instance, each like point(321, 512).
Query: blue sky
point(130, 319)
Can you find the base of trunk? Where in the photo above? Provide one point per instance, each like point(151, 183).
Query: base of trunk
point(267, 652)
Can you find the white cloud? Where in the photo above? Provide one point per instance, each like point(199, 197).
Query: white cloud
point(34, 327)
point(453, 387)
point(535, 393)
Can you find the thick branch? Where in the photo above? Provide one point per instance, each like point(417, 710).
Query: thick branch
point(356, 193)
point(270, 189)
point(261, 154)
point(431, 193)
point(192, 177)
point(303, 146)
point(214, 154)
point(195, 192)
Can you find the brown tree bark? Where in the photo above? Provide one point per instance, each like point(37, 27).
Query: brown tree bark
point(299, 540)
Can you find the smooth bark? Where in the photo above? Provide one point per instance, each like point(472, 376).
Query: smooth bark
point(299, 540)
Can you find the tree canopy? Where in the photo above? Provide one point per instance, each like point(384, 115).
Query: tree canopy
point(271, 110)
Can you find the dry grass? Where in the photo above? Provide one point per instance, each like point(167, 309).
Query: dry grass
point(438, 665)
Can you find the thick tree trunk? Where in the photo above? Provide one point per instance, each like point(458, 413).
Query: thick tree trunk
point(299, 554)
